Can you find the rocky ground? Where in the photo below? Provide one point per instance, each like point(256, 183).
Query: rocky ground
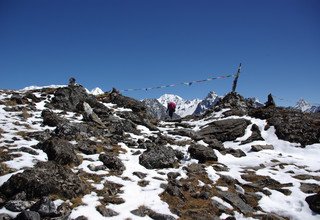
point(66, 154)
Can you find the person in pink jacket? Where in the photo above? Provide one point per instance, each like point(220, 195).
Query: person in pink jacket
point(171, 108)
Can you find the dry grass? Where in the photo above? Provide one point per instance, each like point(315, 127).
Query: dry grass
point(22, 134)
point(76, 202)
point(4, 169)
point(25, 114)
point(10, 102)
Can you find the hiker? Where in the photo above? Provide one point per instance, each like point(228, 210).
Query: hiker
point(171, 108)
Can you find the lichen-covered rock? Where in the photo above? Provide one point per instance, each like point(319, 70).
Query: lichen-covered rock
point(158, 157)
point(202, 153)
point(28, 215)
point(225, 130)
point(45, 207)
point(51, 119)
point(59, 150)
point(46, 178)
point(112, 162)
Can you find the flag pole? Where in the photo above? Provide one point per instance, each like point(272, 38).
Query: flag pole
point(235, 81)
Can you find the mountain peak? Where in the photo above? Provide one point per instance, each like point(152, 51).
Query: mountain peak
point(96, 91)
point(302, 105)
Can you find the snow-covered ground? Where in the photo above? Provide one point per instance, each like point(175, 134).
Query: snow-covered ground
point(291, 158)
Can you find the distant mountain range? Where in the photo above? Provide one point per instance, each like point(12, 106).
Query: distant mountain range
point(157, 107)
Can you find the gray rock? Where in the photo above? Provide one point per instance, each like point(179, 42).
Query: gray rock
point(81, 218)
point(257, 148)
point(51, 119)
point(28, 215)
point(44, 179)
point(60, 151)
point(225, 130)
point(235, 152)
point(45, 207)
point(18, 205)
point(291, 125)
point(29, 150)
point(314, 202)
point(185, 132)
point(158, 157)
point(215, 144)
point(236, 201)
point(17, 98)
point(90, 115)
point(94, 168)
point(140, 174)
point(255, 136)
point(112, 162)
point(68, 98)
point(309, 188)
point(202, 153)
point(106, 212)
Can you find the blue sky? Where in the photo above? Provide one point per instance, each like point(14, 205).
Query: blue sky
point(137, 44)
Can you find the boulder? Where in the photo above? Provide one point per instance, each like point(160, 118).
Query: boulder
point(255, 135)
point(28, 215)
point(202, 153)
point(236, 201)
point(314, 202)
point(59, 150)
point(112, 162)
point(18, 205)
point(90, 115)
point(225, 130)
point(158, 157)
point(46, 178)
point(234, 152)
point(51, 119)
point(45, 207)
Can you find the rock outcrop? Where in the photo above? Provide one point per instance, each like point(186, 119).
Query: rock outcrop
point(291, 125)
point(46, 178)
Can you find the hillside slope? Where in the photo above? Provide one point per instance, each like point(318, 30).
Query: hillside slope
point(66, 154)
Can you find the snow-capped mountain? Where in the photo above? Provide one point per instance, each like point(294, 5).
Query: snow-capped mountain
point(96, 91)
point(183, 107)
point(157, 110)
point(304, 106)
point(211, 99)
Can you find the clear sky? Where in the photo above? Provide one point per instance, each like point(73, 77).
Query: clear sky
point(137, 44)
